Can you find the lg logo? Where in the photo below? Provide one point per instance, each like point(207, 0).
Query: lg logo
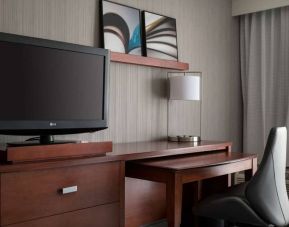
point(52, 124)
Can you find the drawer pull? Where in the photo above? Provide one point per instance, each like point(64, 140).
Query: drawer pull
point(68, 190)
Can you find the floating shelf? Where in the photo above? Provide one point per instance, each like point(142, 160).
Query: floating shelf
point(147, 61)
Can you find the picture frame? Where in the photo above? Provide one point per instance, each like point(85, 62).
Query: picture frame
point(159, 36)
point(121, 28)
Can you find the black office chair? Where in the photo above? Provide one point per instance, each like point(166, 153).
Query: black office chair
point(262, 201)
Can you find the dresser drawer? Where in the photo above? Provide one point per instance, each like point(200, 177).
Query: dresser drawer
point(100, 216)
point(36, 194)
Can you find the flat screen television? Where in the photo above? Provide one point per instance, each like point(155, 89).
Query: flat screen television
point(51, 88)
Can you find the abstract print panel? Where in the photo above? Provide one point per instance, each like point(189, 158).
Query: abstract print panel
point(121, 28)
point(160, 36)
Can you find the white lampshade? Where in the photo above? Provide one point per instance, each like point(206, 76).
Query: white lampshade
point(185, 87)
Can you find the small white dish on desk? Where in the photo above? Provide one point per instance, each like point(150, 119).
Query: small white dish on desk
point(184, 138)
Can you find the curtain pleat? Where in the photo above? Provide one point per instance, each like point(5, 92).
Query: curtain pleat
point(264, 43)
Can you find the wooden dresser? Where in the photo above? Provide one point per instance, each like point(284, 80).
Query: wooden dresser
point(84, 185)
point(71, 192)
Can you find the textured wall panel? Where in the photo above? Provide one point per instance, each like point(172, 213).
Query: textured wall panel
point(207, 40)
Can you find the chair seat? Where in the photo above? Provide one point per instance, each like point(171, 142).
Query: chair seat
point(230, 205)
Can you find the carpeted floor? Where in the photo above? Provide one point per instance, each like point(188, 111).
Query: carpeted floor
point(161, 223)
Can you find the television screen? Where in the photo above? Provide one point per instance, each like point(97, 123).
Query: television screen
point(51, 87)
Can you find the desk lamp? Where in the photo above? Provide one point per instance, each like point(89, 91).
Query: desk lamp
point(186, 86)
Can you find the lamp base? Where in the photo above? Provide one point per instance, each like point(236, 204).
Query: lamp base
point(184, 138)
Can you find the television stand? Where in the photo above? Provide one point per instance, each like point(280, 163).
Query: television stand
point(41, 140)
point(40, 152)
point(46, 139)
point(74, 190)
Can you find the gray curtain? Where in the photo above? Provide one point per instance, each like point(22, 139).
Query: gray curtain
point(264, 40)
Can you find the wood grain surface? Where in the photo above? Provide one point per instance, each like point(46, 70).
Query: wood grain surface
point(99, 216)
point(46, 152)
point(147, 61)
point(31, 195)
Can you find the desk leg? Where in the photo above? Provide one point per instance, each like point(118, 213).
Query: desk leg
point(191, 196)
point(250, 172)
point(174, 189)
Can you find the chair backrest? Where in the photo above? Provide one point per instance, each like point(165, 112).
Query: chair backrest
point(266, 192)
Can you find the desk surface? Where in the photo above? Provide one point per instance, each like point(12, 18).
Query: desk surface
point(127, 152)
point(195, 160)
point(153, 149)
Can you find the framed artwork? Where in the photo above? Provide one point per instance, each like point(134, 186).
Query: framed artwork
point(121, 28)
point(160, 36)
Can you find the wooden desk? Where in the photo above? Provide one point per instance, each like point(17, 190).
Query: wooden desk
point(145, 201)
point(178, 170)
point(99, 174)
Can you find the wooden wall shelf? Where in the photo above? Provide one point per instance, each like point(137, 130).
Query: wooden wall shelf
point(147, 61)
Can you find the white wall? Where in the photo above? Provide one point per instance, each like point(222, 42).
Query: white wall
point(240, 7)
